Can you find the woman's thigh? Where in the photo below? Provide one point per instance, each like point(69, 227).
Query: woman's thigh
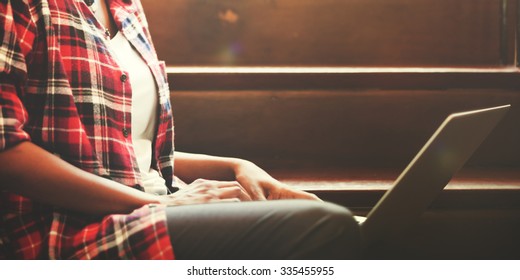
point(283, 229)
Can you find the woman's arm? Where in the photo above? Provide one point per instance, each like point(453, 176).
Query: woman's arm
point(255, 181)
point(30, 171)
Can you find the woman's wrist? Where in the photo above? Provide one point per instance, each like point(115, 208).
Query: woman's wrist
point(236, 165)
point(190, 167)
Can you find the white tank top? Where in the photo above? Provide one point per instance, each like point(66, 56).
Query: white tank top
point(144, 110)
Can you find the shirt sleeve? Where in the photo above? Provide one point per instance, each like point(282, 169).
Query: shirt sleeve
point(13, 71)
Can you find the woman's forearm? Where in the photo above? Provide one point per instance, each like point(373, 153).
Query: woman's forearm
point(189, 167)
point(30, 171)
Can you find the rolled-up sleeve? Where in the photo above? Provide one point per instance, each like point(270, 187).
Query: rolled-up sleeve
point(13, 69)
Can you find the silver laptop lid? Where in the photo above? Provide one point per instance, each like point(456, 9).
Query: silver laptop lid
point(430, 171)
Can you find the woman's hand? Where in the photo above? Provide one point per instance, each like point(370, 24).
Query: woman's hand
point(261, 186)
point(255, 183)
point(207, 191)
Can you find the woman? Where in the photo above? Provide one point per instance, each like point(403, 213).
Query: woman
point(86, 154)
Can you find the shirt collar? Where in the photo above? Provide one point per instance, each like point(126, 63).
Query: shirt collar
point(120, 10)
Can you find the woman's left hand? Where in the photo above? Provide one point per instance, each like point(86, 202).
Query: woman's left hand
point(261, 186)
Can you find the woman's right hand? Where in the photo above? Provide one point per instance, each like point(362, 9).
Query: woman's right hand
point(207, 191)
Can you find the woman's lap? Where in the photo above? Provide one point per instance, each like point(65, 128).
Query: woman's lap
point(283, 229)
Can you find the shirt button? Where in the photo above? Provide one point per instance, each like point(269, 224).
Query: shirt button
point(123, 78)
point(125, 132)
point(107, 33)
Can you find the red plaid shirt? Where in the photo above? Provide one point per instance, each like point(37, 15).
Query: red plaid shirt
point(61, 88)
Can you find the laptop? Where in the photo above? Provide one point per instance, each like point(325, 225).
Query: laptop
point(429, 172)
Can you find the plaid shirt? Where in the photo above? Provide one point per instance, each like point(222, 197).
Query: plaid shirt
point(61, 88)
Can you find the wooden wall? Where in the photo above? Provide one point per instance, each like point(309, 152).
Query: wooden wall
point(334, 32)
point(375, 128)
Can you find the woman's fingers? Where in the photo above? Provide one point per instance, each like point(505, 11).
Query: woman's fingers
point(233, 189)
point(226, 192)
point(206, 191)
point(218, 190)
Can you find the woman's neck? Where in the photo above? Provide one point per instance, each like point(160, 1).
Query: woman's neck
point(103, 15)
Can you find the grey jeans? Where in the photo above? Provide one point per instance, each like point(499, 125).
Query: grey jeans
point(283, 229)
